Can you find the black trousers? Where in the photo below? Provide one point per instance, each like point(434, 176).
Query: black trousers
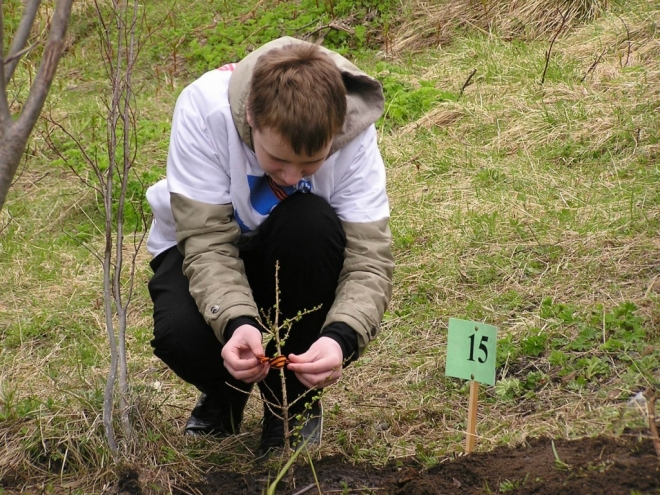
point(303, 234)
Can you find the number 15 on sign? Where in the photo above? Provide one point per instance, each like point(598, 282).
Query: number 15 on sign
point(471, 348)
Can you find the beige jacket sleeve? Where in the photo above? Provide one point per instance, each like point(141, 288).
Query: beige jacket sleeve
point(365, 282)
point(215, 272)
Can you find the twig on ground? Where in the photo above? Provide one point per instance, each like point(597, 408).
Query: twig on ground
point(336, 25)
point(467, 82)
point(305, 490)
point(593, 66)
point(252, 14)
point(3, 227)
point(355, 490)
point(552, 42)
point(650, 286)
point(627, 39)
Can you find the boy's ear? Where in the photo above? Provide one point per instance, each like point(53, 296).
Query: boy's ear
point(249, 117)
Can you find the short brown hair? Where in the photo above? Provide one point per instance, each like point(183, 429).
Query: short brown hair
point(298, 92)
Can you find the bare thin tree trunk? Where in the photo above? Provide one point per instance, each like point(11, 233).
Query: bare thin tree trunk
point(15, 133)
point(128, 160)
point(120, 127)
point(109, 325)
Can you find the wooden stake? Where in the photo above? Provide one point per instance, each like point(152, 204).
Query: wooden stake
point(472, 417)
point(651, 397)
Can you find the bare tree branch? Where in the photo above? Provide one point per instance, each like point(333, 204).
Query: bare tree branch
point(51, 57)
point(14, 134)
point(593, 66)
point(16, 56)
point(20, 37)
point(628, 40)
point(5, 116)
point(552, 42)
point(467, 82)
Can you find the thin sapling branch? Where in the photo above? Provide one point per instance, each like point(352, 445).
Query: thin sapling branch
point(280, 333)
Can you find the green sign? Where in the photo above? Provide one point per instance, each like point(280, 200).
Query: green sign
point(471, 348)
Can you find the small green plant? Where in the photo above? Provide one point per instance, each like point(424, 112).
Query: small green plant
point(508, 388)
point(426, 454)
point(535, 344)
point(14, 408)
point(592, 368)
point(405, 103)
point(534, 380)
point(558, 358)
point(563, 312)
point(559, 464)
point(272, 487)
point(508, 486)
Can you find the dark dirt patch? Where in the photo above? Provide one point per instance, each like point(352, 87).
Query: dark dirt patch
point(589, 466)
point(128, 482)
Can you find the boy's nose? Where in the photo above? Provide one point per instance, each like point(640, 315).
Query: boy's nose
point(291, 176)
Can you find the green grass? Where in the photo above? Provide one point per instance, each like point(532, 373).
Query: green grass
point(531, 207)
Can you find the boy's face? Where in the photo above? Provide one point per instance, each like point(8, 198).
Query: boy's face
point(277, 158)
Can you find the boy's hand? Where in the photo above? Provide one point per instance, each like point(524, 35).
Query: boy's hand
point(320, 366)
point(240, 355)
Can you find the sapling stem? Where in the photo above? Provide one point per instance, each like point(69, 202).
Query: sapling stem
point(280, 333)
point(278, 345)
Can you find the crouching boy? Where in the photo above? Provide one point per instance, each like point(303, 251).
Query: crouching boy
point(271, 160)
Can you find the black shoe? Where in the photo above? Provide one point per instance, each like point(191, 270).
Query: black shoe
point(213, 417)
point(305, 432)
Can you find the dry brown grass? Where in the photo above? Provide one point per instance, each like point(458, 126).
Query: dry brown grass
point(435, 23)
point(597, 262)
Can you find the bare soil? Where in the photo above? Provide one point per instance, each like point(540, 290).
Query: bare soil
point(625, 465)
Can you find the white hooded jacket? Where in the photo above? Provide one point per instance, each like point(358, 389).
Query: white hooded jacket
point(215, 192)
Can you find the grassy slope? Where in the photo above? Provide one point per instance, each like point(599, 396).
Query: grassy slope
point(531, 207)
